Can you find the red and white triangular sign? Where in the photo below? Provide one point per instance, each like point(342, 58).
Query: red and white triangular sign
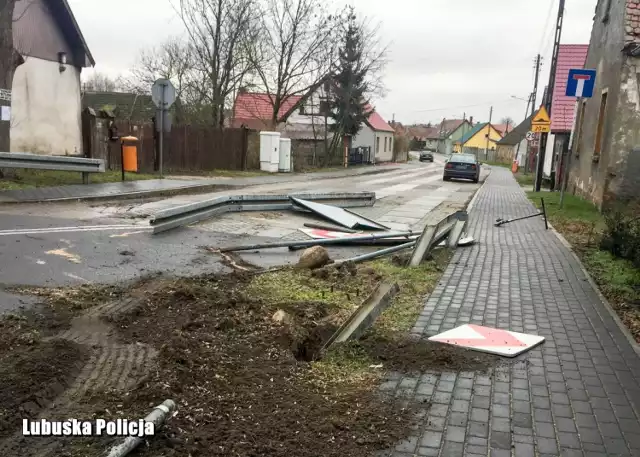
point(491, 340)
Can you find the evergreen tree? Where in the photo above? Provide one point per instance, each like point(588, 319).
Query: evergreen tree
point(349, 106)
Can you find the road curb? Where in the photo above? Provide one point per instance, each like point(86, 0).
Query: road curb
point(594, 286)
point(195, 189)
point(475, 195)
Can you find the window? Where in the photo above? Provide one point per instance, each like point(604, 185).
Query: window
point(302, 109)
point(385, 144)
point(391, 144)
point(601, 118)
point(377, 144)
point(578, 139)
point(324, 107)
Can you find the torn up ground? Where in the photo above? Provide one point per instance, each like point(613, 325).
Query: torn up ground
point(238, 353)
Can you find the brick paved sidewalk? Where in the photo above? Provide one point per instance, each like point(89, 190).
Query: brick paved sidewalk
point(575, 395)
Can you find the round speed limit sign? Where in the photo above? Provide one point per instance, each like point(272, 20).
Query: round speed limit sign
point(530, 136)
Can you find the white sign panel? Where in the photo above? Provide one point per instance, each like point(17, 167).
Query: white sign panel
point(487, 339)
point(5, 113)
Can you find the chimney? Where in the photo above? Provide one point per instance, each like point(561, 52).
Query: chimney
point(242, 90)
point(471, 120)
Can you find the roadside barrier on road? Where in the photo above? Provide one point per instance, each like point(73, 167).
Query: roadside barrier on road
point(195, 212)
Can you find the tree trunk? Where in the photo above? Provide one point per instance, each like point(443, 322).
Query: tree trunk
point(9, 61)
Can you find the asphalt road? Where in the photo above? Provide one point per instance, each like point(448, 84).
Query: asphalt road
point(59, 244)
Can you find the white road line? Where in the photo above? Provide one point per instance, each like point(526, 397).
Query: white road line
point(96, 228)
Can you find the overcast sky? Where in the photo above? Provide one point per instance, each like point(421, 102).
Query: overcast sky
point(447, 57)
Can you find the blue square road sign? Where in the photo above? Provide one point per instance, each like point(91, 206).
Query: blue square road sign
point(581, 83)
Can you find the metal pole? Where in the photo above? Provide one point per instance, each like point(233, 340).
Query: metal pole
point(549, 98)
point(122, 158)
point(535, 86)
point(486, 151)
point(286, 244)
point(376, 254)
point(544, 213)
point(162, 128)
point(158, 416)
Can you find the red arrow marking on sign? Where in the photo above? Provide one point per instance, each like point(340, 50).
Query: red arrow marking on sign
point(492, 338)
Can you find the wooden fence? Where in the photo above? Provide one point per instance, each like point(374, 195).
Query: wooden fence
point(186, 147)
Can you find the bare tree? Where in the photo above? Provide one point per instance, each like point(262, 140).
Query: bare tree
point(219, 32)
point(100, 82)
point(508, 121)
point(295, 52)
point(172, 60)
point(10, 59)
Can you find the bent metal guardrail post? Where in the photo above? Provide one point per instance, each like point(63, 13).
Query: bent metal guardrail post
point(195, 212)
point(435, 233)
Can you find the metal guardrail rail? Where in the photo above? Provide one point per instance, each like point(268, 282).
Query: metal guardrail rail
point(195, 212)
point(450, 228)
point(42, 162)
point(60, 163)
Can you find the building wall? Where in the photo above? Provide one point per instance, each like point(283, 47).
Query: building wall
point(431, 144)
point(479, 140)
point(364, 138)
point(45, 105)
point(384, 154)
point(591, 175)
point(506, 153)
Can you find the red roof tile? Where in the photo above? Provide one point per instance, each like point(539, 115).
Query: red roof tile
point(254, 110)
point(563, 108)
point(377, 123)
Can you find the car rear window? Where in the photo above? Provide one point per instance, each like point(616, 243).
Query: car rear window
point(464, 158)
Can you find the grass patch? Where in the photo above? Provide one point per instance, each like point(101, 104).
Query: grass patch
point(354, 362)
point(525, 179)
point(496, 164)
point(28, 179)
point(580, 222)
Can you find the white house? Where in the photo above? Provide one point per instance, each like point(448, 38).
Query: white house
point(45, 99)
point(378, 135)
point(253, 110)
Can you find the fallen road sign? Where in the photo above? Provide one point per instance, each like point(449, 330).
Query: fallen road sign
point(320, 234)
point(486, 339)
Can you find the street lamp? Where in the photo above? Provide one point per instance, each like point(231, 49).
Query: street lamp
point(523, 99)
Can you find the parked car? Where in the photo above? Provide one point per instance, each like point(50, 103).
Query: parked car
point(426, 156)
point(463, 166)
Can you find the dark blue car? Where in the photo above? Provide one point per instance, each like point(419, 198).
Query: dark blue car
point(462, 166)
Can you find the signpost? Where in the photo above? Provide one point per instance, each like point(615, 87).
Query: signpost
point(163, 95)
point(580, 84)
point(541, 123)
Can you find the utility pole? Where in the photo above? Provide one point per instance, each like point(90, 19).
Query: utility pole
point(549, 98)
point(526, 114)
point(486, 151)
point(535, 85)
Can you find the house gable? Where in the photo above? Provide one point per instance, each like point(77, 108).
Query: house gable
point(45, 28)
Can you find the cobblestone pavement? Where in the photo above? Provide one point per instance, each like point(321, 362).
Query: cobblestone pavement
point(575, 395)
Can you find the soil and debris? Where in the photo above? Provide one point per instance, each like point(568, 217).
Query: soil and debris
point(239, 353)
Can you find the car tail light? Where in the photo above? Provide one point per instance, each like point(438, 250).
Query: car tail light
point(449, 166)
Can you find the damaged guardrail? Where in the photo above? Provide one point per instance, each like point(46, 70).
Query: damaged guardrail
point(450, 228)
point(195, 212)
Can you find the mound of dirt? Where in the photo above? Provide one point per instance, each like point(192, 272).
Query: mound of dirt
point(416, 355)
point(32, 375)
point(241, 390)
